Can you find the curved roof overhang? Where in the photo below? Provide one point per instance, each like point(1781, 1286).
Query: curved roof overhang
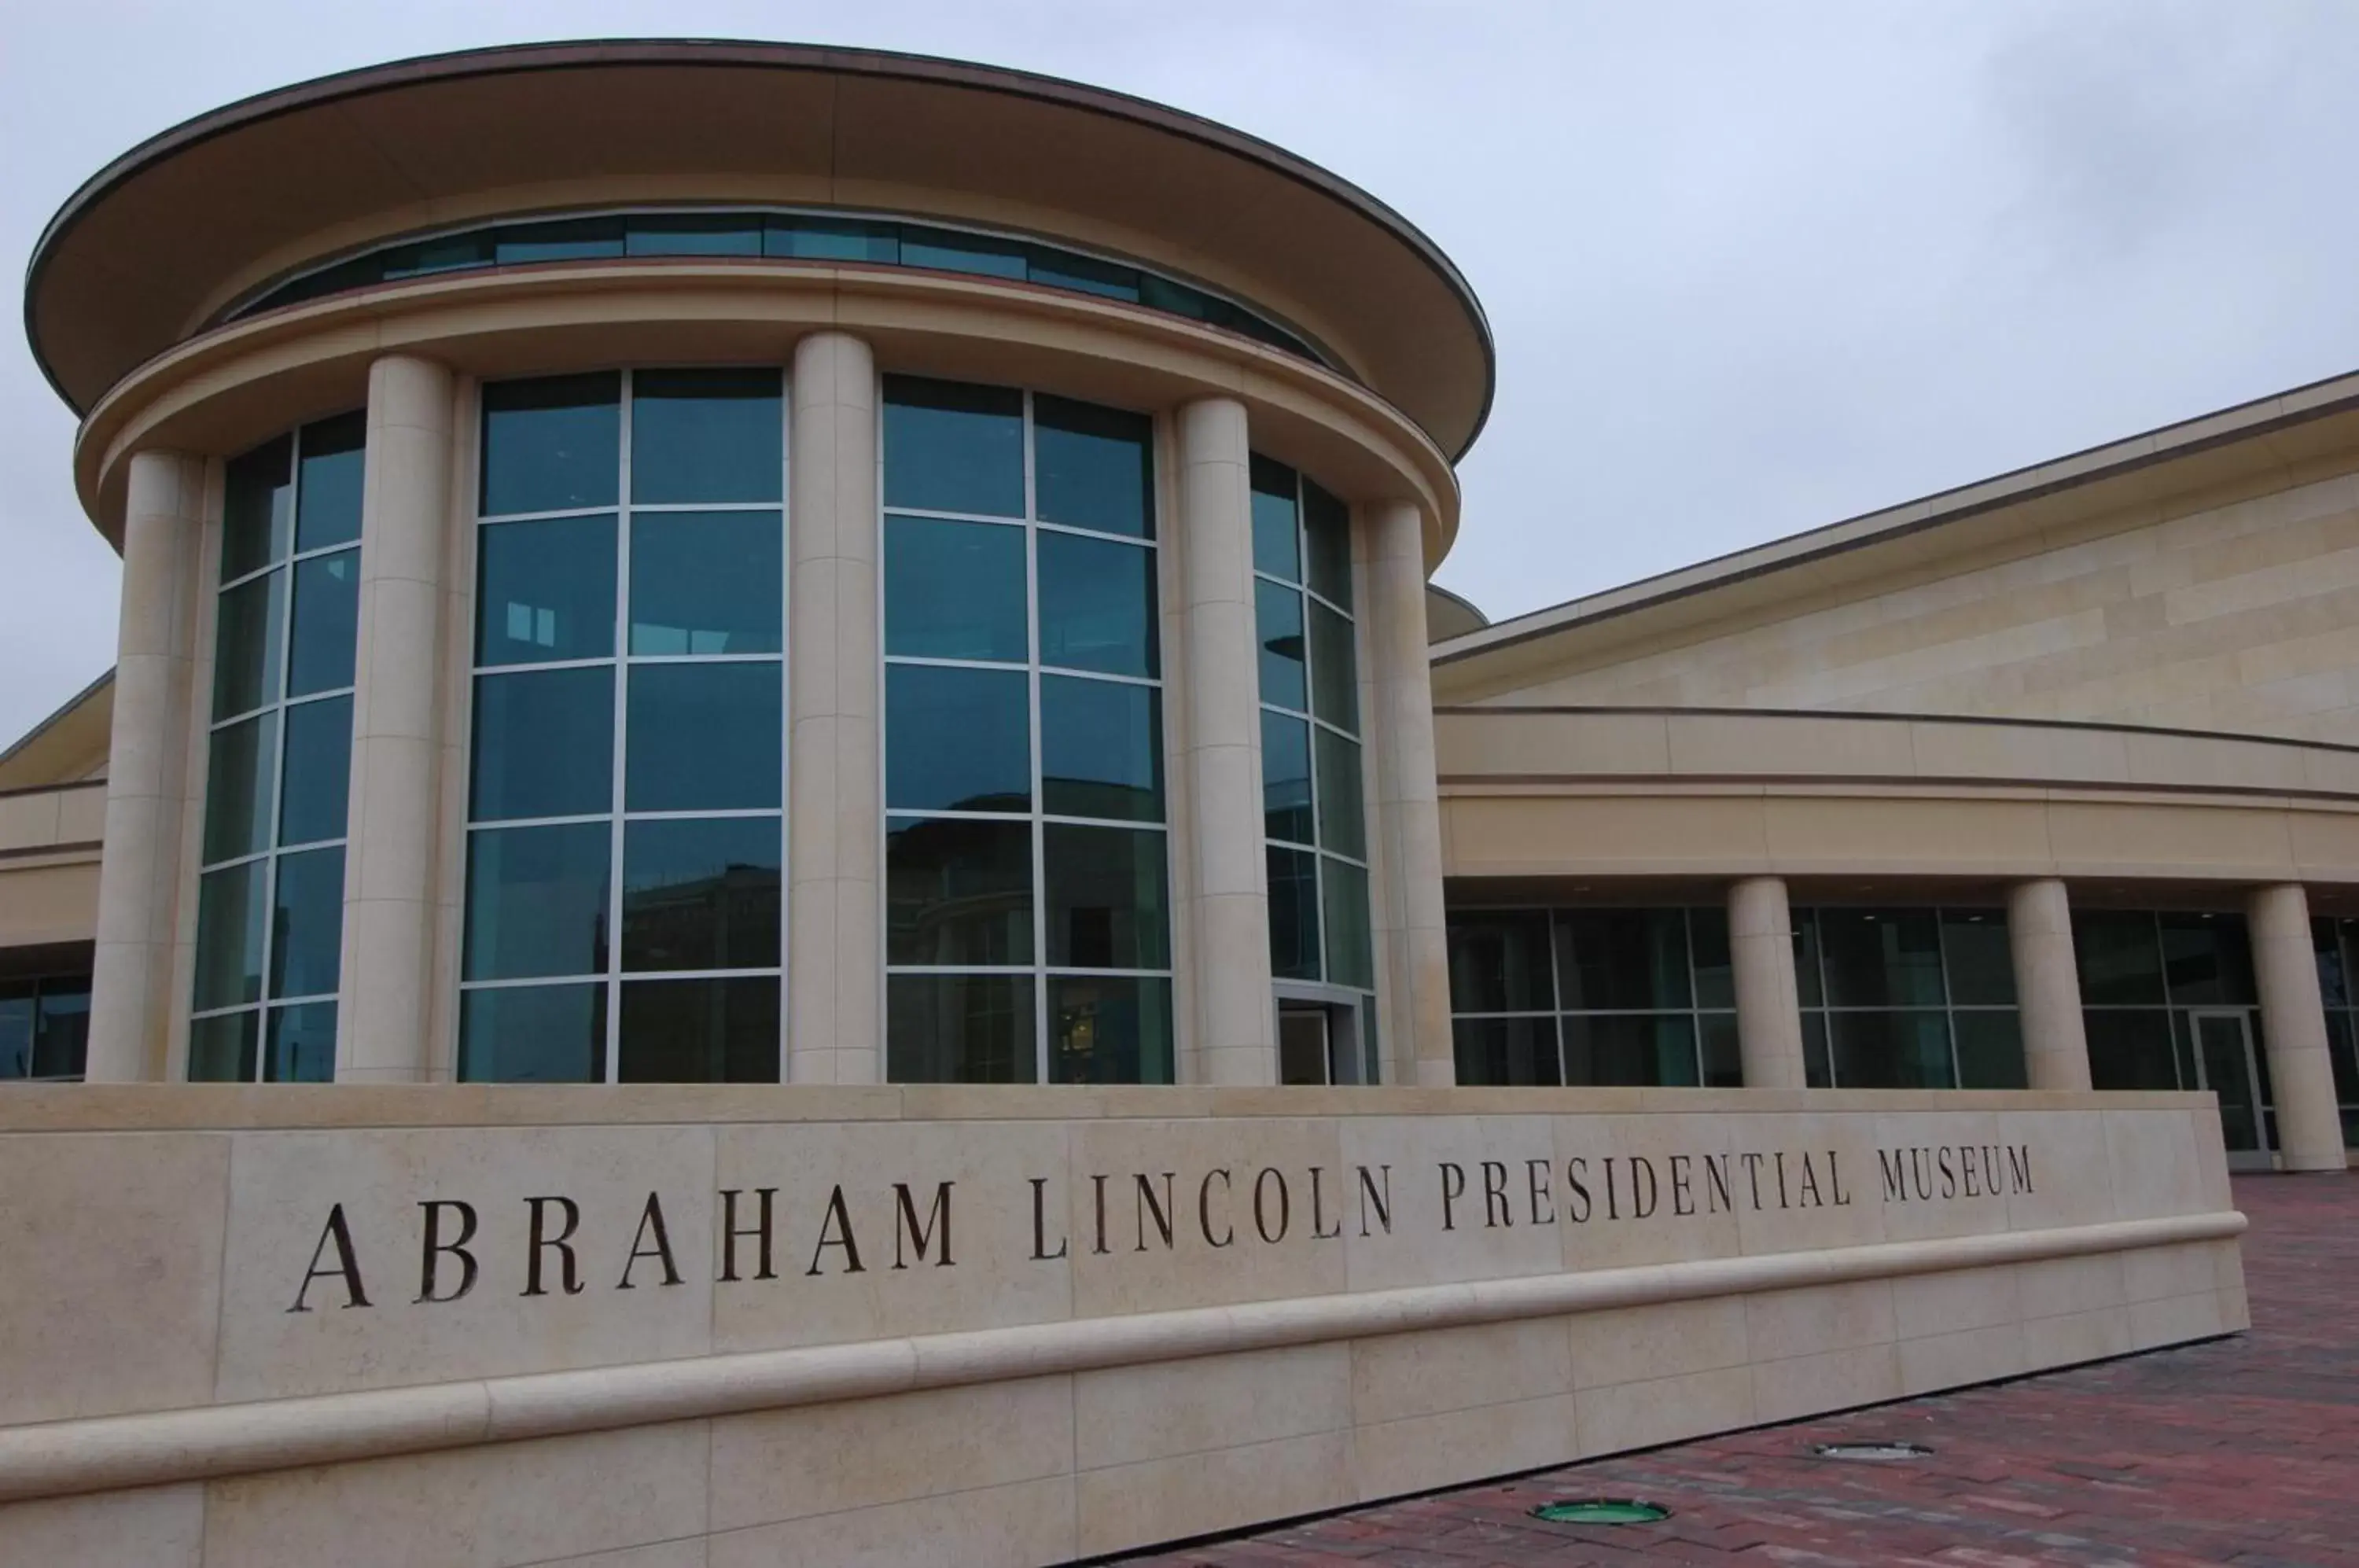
point(145, 253)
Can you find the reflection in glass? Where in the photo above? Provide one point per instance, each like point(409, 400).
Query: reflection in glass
point(229, 936)
point(950, 447)
point(703, 737)
point(824, 239)
point(551, 445)
point(237, 788)
point(1506, 1051)
point(946, 250)
point(2120, 957)
point(2130, 1048)
point(1990, 1049)
point(1094, 467)
point(1335, 696)
point(1343, 814)
point(706, 583)
point(1097, 606)
point(1327, 545)
point(1293, 913)
point(1630, 1048)
point(956, 739)
point(327, 620)
point(1892, 1048)
point(1499, 962)
point(1715, 978)
point(1880, 958)
point(1277, 617)
point(16, 1002)
point(544, 744)
point(307, 929)
point(571, 239)
point(1722, 1055)
point(329, 509)
point(954, 589)
point(222, 1048)
point(1286, 777)
point(1350, 953)
point(318, 770)
point(245, 645)
point(959, 1028)
point(545, 590)
point(957, 891)
point(257, 508)
point(533, 1034)
point(60, 1029)
point(302, 1047)
point(693, 234)
point(700, 1031)
point(1107, 904)
point(1975, 956)
point(2207, 960)
point(1622, 959)
point(1101, 749)
point(1275, 549)
point(700, 893)
point(1109, 1028)
point(701, 436)
point(537, 901)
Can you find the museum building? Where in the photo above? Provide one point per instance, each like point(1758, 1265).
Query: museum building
point(682, 566)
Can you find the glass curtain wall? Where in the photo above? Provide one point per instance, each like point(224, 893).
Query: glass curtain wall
point(1314, 794)
point(626, 837)
point(2142, 975)
point(1593, 997)
point(1897, 999)
point(2337, 944)
point(44, 1027)
point(270, 899)
point(1026, 857)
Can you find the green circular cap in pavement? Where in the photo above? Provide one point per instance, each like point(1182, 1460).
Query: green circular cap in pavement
point(1601, 1511)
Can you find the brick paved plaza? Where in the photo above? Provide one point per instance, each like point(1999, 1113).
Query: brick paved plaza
point(2240, 1451)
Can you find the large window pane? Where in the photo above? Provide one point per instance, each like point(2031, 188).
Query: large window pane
point(691, 234)
point(1107, 903)
point(706, 583)
point(1891, 1049)
point(1327, 545)
point(1816, 1073)
point(1062, 269)
point(950, 447)
point(245, 645)
point(229, 936)
point(537, 901)
point(2130, 1048)
point(568, 239)
point(257, 508)
point(1286, 777)
point(1101, 749)
point(1981, 965)
point(1499, 962)
point(302, 1044)
point(1275, 538)
point(1990, 1049)
point(706, 435)
point(1293, 913)
point(238, 766)
point(957, 891)
point(551, 445)
point(1343, 806)
point(2207, 960)
point(533, 1034)
point(1881, 958)
point(545, 590)
point(60, 1029)
point(327, 619)
point(954, 589)
point(1630, 1048)
point(1506, 1051)
point(704, 737)
point(1808, 979)
point(16, 1008)
point(825, 239)
point(957, 739)
point(1715, 977)
point(947, 250)
point(1614, 960)
point(1723, 1057)
point(220, 1047)
point(700, 893)
point(2119, 955)
point(544, 744)
point(318, 770)
point(306, 932)
point(1109, 1028)
point(1092, 467)
point(1350, 953)
point(959, 1028)
point(1335, 673)
point(699, 1031)
point(1097, 606)
point(329, 509)
point(1278, 622)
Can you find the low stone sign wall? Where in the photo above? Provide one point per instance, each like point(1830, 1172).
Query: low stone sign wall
point(972, 1326)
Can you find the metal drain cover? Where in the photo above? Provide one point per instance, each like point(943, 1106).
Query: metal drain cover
point(1874, 1453)
point(1601, 1511)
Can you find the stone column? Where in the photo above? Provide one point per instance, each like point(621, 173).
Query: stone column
point(2293, 1020)
point(1228, 901)
point(835, 822)
point(148, 767)
point(1768, 1007)
point(2046, 985)
point(1409, 809)
point(393, 849)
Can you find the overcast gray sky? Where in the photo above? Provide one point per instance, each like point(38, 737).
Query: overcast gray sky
point(1753, 264)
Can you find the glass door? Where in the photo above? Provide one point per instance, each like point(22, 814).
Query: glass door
point(2224, 1061)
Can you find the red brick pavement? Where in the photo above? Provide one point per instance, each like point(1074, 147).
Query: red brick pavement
point(2240, 1451)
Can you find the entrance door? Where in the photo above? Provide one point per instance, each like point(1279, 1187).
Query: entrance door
point(2223, 1064)
point(1301, 1043)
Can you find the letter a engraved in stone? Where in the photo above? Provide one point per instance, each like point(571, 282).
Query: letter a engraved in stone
point(651, 1220)
point(1040, 1253)
point(541, 1241)
point(919, 1239)
point(436, 1246)
point(347, 1268)
point(838, 1223)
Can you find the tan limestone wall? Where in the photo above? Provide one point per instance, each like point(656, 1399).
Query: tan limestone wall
point(1363, 1293)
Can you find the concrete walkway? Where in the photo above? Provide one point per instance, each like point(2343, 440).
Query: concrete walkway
point(2241, 1450)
